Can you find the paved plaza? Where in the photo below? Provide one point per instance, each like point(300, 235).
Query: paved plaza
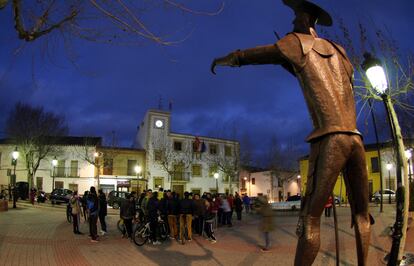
point(40, 235)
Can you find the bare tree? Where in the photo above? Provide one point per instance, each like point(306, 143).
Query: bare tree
point(36, 133)
point(175, 161)
point(114, 21)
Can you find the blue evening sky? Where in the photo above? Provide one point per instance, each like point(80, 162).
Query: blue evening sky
point(112, 86)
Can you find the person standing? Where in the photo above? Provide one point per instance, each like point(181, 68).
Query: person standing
point(76, 212)
point(246, 203)
point(209, 219)
point(238, 206)
point(84, 207)
point(328, 207)
point(225, 206)
point(102, 211)
point(93, 209)
point(153, 213)
point(266, 224)
point(199, 213)
point(186, 217)
point(127, 213)
point(172, 213)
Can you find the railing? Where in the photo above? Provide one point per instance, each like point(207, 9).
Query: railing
point(65, 172)
point(181, 176)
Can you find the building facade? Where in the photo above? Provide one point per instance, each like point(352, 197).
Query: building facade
point(375, 167)
point(183, 162)
point(277, 186)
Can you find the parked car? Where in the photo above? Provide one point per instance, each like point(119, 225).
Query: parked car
point(60, 195)
point(292, 203)
point(387, 193)
point(115, 198)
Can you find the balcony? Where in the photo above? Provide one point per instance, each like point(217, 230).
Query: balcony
point(233, 179)
point(181, 176)
point(72, 172)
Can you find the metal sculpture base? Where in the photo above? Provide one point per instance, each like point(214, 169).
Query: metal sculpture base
point(408, 259)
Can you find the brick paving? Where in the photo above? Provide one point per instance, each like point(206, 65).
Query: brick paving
point(40, 235)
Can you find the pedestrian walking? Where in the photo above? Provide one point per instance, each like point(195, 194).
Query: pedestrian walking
point(76, 212)
point(102, 211)
point(266, 224)
point(93, 211)
point(209, 219)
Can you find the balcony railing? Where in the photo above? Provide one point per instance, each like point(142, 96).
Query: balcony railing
point(65, 172)
point(181, 176)
point(234, 179)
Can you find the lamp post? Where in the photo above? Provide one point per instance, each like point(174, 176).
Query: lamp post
point(54, 164)
point(96, 163)
point(138, 170)
point(245, 183)
point(298, 181)
point(408, 155)
point(216, 176)
point(389, 167)
point(376, 76)
point(15, 156)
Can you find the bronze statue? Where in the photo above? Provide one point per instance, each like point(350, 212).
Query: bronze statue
point(325, 75)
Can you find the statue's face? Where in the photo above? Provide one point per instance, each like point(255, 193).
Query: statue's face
point(302, 22)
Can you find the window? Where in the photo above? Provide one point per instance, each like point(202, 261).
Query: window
point(212, 170)
point(74, 168)
point(157, 155)
point(158, 182)
point(178, 145)
point(39, 183)
point(131, 167)
point(374, 165)
point(58, 184)
point(227, 150)
point(196, 191)
point(60, 168)
point(108, 166)
point(73, 187)
point(253, 181)
point(178, 171)
point(196, 169)
point(212, 148)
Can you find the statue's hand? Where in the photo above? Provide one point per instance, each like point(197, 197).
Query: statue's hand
point(228, 60)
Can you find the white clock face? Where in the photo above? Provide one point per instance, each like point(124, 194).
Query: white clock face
point(159, 123)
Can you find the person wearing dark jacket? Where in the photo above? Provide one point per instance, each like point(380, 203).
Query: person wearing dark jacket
point(102, 210)
point(238, 206)
point(127, 213)
point(199, 213)
point(172, 213)
point(93, 209)
point(153, 210)
point(186, 216)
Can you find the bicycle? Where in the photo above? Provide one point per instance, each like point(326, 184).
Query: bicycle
point(143, 232)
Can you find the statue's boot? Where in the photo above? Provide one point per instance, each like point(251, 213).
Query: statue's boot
point(308, 232)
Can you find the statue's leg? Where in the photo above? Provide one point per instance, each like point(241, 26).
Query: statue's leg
point(328, 157)
point(357, 186)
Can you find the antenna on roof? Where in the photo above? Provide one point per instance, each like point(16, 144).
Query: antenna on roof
point(160, 102)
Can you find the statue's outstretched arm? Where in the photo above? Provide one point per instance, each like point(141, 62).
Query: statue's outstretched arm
point(261, 55)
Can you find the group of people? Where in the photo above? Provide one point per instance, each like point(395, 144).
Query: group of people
point(91, 207)
point(191, 214)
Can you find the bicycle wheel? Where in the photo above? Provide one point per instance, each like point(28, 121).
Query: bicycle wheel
point(162, 231)
point(141, 235)
point(69, 217)
point(121, 226)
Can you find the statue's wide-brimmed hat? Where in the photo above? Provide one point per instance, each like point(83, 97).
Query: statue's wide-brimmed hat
point(323, 17)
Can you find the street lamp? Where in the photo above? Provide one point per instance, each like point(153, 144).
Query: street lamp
point(96, 163)
point(376, 76)
point(298, 181)
point(389, 167)
point(15, 156)
point(216, 176)
point(54, 164)
point(408, 155)
point(138, 170)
